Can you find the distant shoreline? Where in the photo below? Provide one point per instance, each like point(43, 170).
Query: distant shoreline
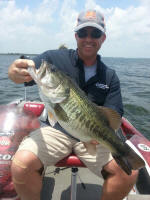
point(35, 54)
point(18, 54)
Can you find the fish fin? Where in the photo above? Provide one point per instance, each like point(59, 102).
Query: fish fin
point(112, 116)
point(51, 119)
point(60, 113)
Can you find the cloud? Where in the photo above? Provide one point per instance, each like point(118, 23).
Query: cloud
point(132, 21)
point(23, 29)
point(67, 21)
point(51, 23)
point(129, 31)
point(43, 14)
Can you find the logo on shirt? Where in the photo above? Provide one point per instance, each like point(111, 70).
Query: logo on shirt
point(102, 86)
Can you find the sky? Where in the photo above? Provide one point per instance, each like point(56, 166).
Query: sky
point(34, 26)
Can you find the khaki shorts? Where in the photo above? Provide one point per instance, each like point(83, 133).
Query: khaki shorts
point(51, 145)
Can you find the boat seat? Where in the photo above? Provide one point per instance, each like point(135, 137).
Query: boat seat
point(70, 161)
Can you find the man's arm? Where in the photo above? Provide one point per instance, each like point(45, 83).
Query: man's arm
point(114, 98)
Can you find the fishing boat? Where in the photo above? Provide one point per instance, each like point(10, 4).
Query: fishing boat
point(19, 118)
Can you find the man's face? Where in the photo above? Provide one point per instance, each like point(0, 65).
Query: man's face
point(89, 41)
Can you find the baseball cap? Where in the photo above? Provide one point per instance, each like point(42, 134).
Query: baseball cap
point(90, 18)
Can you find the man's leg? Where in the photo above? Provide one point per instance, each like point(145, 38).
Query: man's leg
point(45, 146)
point(25, 175)
point(97, 158)
point(117, 184)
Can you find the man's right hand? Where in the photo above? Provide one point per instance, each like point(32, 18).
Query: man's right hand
point(18, 72)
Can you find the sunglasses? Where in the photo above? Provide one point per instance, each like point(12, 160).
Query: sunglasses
point(95, 33)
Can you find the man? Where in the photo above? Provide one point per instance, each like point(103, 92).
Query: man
point(48, 145)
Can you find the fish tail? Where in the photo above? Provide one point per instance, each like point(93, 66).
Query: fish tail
point(134, 159)
point(131, 161)
point(123, 163)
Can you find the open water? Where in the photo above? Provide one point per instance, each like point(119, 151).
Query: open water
point(134, 75)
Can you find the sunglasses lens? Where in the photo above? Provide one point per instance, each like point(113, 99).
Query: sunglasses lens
point(96, 33)
point(82, 33)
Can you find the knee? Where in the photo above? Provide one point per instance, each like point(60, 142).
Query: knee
point(23, 164)
point(19, 170)
point(113, 169)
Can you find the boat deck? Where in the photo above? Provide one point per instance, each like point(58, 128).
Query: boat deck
point(57, 187)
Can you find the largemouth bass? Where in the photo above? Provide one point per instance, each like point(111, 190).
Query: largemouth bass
point(70, 107)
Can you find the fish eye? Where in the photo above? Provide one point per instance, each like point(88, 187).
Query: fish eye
point(53, 68)
point(67, 90)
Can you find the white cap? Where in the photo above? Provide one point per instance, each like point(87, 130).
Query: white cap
point(91, 18)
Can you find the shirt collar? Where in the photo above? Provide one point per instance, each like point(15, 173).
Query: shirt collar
point(79, 61)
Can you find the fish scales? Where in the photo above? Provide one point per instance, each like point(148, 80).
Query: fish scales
point(88, 116)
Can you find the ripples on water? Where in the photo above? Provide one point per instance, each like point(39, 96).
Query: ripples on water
point(10, 91)
point(135, 84)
